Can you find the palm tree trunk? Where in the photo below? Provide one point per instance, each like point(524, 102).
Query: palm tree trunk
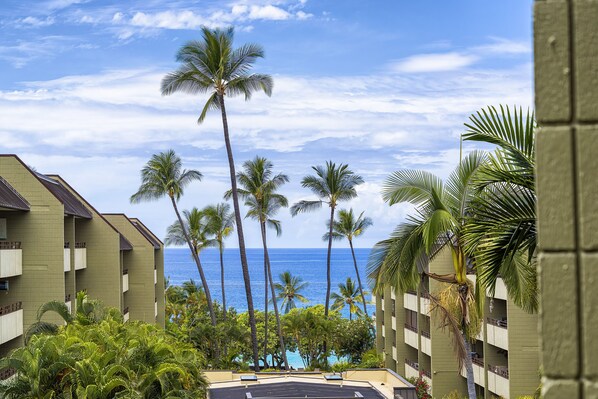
point(283, 348)
point(263, 230)
point(328, 279)
point(242, 252)
point(222, 280)
point(204, 282)
point(365, 309)
point(469, 368)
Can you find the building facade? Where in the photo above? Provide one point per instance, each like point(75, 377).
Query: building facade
point(505, 356)
point(54, 243)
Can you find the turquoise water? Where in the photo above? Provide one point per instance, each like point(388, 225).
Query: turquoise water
point(308, 263)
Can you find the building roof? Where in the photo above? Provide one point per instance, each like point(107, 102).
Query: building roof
point(72, 206)
point(294, 389)
point(10, 198)
point(142, 229)
point(125, 245)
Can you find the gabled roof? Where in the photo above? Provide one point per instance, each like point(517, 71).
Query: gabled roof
point(143, 230)
point(10, 198)
point(72, 206)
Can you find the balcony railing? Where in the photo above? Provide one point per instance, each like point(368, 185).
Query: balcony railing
point(126, 310)
point(67, 245)
point(67, 298)
point(411, 363)
point(478, 361)
point(412, 292)
point(80, 245)
point(10, 245)
point(426, 373)
point(7, 373)
point(498, 323)
point(425, 333)
point(13, 307)
point(410, 327)
point(125, 271)
point(503, 371)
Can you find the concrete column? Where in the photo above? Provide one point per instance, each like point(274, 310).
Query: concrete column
point(566, 84)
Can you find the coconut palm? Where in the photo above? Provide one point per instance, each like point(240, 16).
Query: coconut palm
point(332, 184)
point(195, 227)
point(441, 211)
point(221, 223)
point(346, 226)
point(211, 65)
point(288, 290)
point(163, 176)
point(501, 232)
point(348, 295)
point(258, 189)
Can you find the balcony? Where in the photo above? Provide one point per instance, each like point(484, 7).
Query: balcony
point(394, 323)
point(498, 380)
point(11, 259)
point(80, 256)
point(411, 369)
point(7, 374)
point(410, 301)
point(392, 294)
point(155, 277)
point(156, 308)
point(500, 290)
point(67, 257)
point(426, 343)
point(126, 314)
point(11, 322)
point(411, 338)
point(427, 376)
point(478, 371)
point(497, 333)
point(394, 352)
point(424, 304)
point(67, 302)
point(125, 280)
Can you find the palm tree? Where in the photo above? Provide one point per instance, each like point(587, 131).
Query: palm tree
point(347, 227)
point(442, 209)
point(221, 223)
point(259, 186)
point(211, 65)
point(289, 290)
point(163, 175)
point(348, 295)
point(331, 184)
point(195, 228)
point(501, 232)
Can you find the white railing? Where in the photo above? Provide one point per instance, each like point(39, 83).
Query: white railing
point(11, 259)
point(410, 371)
point(156, 309)
point(394, 353)
point(155, 277)
point(424, 305)
point(500, 290)
point(126, 314)
point(478, 372)
point(125, 281)
point(80, 258)
point(11, 322)
point(497, 335)
point(394, 323)
point(67, 259)
point(426, 345)
point(392, 294)
point(498, 381)
point(411, 338)
point(410, 301)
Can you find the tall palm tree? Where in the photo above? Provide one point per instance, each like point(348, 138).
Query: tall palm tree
point(348, 296)
point(288, 290)
point(442, 209)
point(212, 65)
point(332, 184)
point(348, 227)
point(259, 190)
point(501, 232)
point(221, 223)
point(196, 226)
point(163, 175)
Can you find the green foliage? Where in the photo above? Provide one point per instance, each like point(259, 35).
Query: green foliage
point(372, 360)
point(422, 389)
point(289, 289)
point(348, 295)
point(106, 359)
point(341, 366)
point(455, 394)
point(353, 338)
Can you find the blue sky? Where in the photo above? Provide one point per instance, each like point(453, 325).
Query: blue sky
point(380, 85)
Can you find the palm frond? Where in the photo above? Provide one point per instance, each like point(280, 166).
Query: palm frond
point(414, 186)
point(305, 206)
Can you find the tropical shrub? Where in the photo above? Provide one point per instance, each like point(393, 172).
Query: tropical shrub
point(372, 360)
point(422, 389)
point(353, 338)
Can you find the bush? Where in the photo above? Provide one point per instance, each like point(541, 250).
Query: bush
point(371, 360)
point(341, 366)
point(422, 389)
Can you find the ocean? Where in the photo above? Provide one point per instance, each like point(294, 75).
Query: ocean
point(307, 263)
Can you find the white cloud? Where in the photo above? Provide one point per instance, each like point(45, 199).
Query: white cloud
point(23, 52)
point(268, 12)
point(434, 62)
point(35, 22)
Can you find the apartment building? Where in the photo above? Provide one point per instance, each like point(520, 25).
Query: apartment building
point(505, 356)
point(54, 243)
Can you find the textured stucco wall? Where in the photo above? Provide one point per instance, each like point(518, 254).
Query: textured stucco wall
point(566, 84)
